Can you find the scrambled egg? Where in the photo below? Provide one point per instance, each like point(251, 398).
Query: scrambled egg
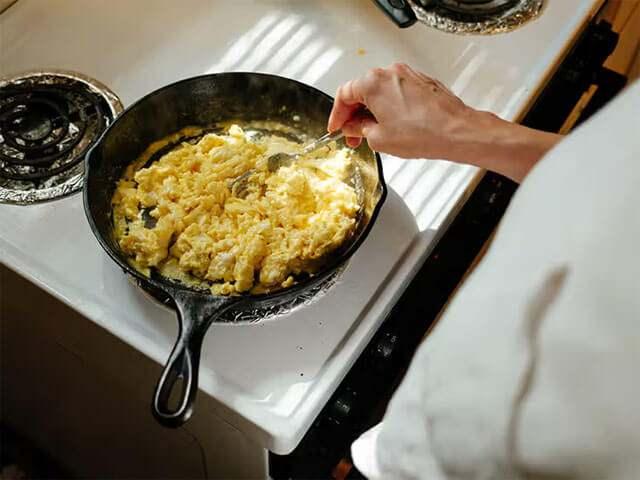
point(180, 217)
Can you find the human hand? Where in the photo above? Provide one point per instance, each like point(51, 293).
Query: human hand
point(412, 115)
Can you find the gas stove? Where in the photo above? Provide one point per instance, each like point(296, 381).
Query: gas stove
point(262, 386)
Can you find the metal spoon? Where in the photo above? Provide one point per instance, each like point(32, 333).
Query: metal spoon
point(274, 162)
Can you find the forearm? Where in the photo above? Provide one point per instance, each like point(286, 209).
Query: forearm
point(415, 116)
point(504, 147)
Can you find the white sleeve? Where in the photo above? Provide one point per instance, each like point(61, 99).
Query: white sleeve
point(532, 371)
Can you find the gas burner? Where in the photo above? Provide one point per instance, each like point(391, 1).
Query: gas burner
point(276, 308)
point(48, 121)
point(476, 16)
point(477, 7)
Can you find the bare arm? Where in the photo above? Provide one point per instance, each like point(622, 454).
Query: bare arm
point(415, 116)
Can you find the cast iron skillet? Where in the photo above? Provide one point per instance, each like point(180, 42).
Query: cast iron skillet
point(204, 101)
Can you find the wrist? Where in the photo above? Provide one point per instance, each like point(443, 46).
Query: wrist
point(505, 147)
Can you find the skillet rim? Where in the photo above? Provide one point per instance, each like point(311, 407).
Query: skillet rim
point(171, 288)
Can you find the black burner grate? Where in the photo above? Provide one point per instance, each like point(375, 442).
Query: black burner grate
point(48, 121)
point(41, 128)
point(474, 9)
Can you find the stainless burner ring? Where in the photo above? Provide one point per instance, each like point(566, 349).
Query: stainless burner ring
point(453, 17)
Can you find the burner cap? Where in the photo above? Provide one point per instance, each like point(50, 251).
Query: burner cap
point(477, 7)
point(48, 121)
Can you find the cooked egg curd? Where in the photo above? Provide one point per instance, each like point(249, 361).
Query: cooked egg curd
point(179, 215)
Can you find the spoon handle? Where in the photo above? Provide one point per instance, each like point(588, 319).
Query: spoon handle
point(322, 141)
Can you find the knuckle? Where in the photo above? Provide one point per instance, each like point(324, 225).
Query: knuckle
point(376, 73)
point(399, 67)
point(373, 80)
point(344, 89)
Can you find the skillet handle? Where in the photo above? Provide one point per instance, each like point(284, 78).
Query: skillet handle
point(195, 313)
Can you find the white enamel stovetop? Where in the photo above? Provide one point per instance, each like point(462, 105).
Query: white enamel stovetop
point(271, 379)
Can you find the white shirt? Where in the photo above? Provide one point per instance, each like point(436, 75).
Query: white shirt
point(534, 370)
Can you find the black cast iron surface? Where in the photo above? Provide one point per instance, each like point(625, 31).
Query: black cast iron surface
point(204, 102)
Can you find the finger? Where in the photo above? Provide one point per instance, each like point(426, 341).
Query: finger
point(443, 87)
point(427, 79)
point(354, 95)
point(358, 125)
point(353, 142)
point(407, 71)
point(399, 67)
point(435, 81)
point(349, 98)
